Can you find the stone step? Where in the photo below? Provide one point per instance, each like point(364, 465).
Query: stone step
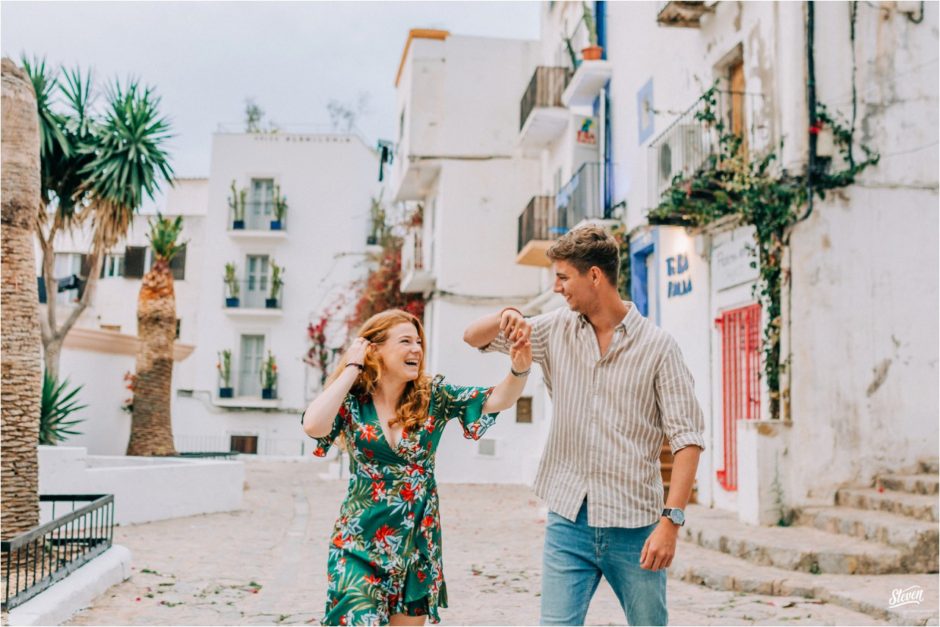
point(867, 594)
point(914, 484)
point(791, 548)
point(918, 540)
point(931, 466)
point(920, 506)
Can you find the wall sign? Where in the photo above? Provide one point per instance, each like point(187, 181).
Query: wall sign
point(732, 263)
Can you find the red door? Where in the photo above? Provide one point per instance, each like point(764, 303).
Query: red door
point(740, 381)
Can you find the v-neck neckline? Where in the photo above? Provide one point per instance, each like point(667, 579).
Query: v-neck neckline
point(393, 447)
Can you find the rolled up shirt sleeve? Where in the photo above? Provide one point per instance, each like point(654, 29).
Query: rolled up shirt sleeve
point(681, 413)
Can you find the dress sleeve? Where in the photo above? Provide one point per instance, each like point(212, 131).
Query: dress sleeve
point(339, 422)
point(466, 405)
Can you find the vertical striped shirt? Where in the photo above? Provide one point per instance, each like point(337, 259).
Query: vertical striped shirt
point(610, 416)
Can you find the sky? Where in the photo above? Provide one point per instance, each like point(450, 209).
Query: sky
point(205, 58)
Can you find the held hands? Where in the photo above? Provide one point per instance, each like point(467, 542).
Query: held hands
point(514, 327)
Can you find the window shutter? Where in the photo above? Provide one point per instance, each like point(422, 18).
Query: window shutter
point(134, 261)
point(178, 264)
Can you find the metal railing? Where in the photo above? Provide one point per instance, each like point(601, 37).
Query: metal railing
point(412, 251)
point(538, 221)
point(198, 445)
point(257, 216)
point(254, 293)
point(581, 198)
point(544, 90)
point(33, 561)
point(690, 141)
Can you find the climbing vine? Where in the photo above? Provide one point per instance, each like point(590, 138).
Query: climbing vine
point(733, 182)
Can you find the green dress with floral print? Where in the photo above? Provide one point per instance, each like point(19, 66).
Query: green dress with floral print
point(385, 550)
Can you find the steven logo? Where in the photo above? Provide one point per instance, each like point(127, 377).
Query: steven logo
point(906, 596)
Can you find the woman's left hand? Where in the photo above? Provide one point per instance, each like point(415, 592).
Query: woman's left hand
point(521, 355)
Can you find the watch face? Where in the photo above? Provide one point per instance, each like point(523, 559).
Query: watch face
point(677, 516)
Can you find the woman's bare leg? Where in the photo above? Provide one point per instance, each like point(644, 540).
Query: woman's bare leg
point(404, 619)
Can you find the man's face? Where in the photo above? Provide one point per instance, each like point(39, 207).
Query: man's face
point(578, 289)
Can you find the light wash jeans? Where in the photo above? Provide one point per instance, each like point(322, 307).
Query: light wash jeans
point(576, 555)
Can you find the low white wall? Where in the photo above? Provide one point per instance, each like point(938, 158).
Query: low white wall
point(144, 489)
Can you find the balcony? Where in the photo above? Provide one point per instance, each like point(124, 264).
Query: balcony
point(542, 114)
point(411, 175)
point(253, 297)
point(684, 14)
point(582, 198)
point(538, 229)
point(415, 277)
point(586, 83)
point(257, 220)
point(692, 141)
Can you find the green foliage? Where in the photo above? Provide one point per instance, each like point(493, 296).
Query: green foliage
point(224, 366)
point(231, 280)
point(236, 201)
point(623, 275)
point(589, 23)
point(734, 183)
point(280, 204)
point(163, 237)
point(269, 372)
point(276, 281)
point(59, 402)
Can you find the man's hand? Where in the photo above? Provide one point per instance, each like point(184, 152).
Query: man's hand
point(660, 547)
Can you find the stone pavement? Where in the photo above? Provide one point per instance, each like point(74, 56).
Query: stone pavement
point(265, 564)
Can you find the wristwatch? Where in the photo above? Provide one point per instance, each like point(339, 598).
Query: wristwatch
point(675, 515)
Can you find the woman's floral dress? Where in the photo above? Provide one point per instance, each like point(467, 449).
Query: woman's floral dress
point(385, 550)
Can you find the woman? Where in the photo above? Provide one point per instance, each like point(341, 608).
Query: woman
point(384, 561)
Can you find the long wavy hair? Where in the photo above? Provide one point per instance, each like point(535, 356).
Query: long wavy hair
point(412, 408)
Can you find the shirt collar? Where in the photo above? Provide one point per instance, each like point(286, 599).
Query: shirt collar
point(629, 322)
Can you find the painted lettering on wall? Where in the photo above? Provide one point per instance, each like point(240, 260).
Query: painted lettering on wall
point(676, 267)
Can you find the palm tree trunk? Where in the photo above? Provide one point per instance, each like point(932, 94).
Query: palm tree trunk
point(152, 426)
point(20, 363)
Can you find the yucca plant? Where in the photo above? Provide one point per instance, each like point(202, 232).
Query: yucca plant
point(59, 402)
point(231, 281)
point(276, 283)
point(236, 202)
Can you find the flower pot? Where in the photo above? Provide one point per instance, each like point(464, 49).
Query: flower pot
point(267, 393)
point(231, 302)
point(238, 225)
point(592, 53)
point(275, 225)
point(270, 303)
point(226, 392)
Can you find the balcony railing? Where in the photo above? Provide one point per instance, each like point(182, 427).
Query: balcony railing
point(687, 144)
point(581, 198)
point(538, 221)
point(544, 90)
point(254, 293)
point(35, 560)
point(257, 216)
point(415, 277)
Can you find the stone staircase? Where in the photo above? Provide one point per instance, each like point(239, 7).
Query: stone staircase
point(852, 553)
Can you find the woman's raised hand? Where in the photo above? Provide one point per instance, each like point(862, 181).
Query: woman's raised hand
point(521, 355)
point(356, 353)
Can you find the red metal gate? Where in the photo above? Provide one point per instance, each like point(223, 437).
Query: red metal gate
point(740, 381)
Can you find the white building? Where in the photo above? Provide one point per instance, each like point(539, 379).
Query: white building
point(457, 159)
point(860, 311)
point(327, 182)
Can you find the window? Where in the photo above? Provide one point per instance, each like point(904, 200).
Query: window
point(247, 444)
point(249, 371)
point(256, 280)
point(113, 265)
point(260, 203)
point(524, 409)
point(178, 264)
point(135, 258)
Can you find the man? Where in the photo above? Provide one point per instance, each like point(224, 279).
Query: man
point(619, 386)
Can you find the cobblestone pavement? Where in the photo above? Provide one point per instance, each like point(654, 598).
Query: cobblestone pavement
point(265, 564)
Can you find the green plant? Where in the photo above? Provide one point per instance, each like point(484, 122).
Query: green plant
point(280, 204)
point(224, 366)
point(163, 237)
point(236, 201)
point(623, 275)
point(733, 182)
point(378, 220)
point(58, 403)
point(269, 372)
point(589, 23)
point(231, 280)
point(276, 281)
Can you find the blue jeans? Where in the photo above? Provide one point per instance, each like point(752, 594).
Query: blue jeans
point(575, 557)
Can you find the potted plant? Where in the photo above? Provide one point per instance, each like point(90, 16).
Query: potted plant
point(276, 283)
point(377, 218)
point(592, 52)
point(268, 377)
point(231, 284)
point(236, 202)
point(280, 209)
point(224, 366)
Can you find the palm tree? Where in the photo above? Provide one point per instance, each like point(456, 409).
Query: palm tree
point(19, 340)
point(152, 426)
point(96, 168)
